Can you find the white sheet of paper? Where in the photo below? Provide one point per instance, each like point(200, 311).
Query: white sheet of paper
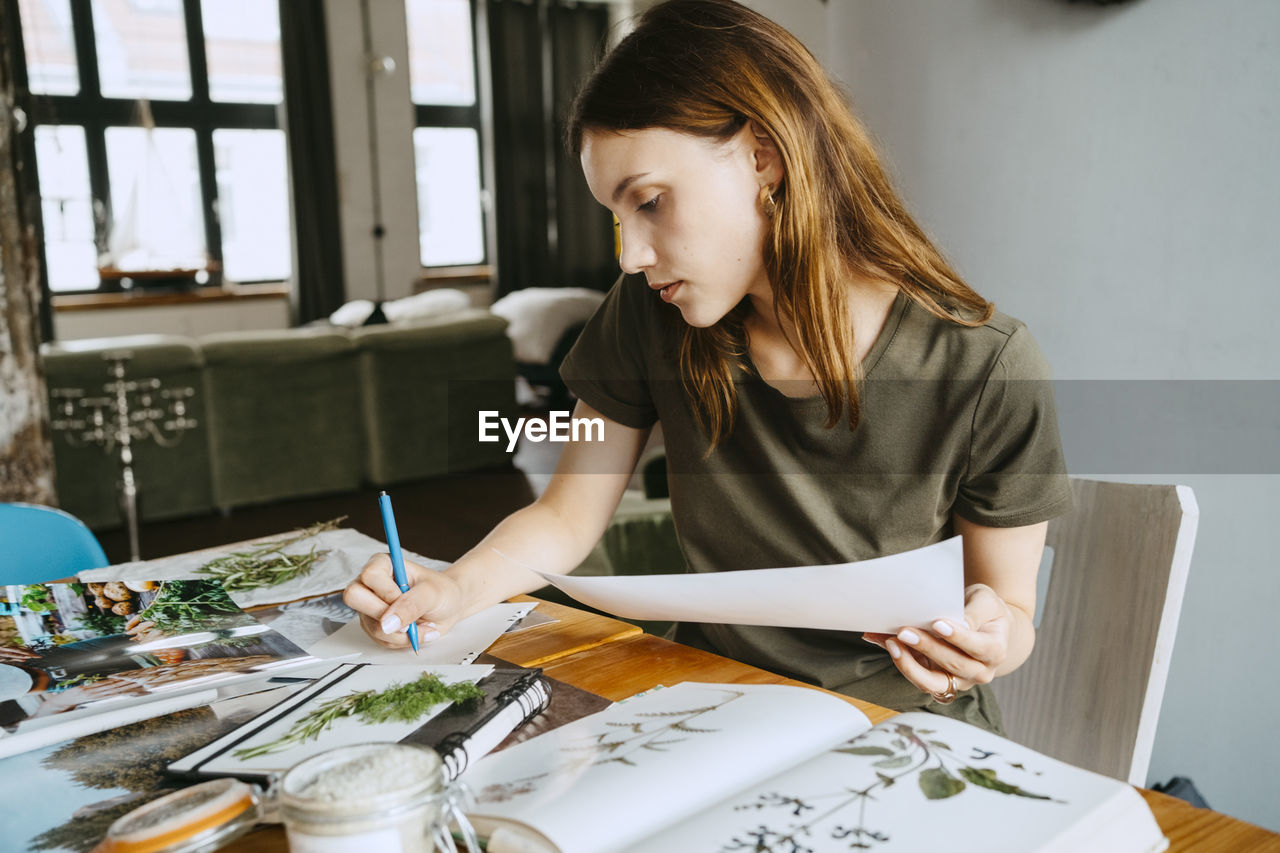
point(461, 645)
point(882, 595)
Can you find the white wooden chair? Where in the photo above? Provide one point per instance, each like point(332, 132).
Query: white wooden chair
point(1090, 693)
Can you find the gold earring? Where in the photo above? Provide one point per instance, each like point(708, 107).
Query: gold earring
point(768, 206)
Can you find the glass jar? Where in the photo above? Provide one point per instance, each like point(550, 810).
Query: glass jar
point(198, 819)
point(393, 798)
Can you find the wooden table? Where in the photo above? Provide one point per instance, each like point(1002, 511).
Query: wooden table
point(575, 632)
point(616, 660)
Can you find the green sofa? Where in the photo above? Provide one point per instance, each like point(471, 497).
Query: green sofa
point(280, 423)
point(422, 386)
point(296, 412)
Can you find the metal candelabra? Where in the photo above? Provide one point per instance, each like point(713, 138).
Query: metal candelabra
point(130, 411)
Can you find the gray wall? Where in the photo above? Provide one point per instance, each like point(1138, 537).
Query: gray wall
point(1109, 175)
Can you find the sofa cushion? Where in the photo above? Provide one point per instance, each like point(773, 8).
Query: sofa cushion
point(284, 414)
point(274, 347)
point(423, 386)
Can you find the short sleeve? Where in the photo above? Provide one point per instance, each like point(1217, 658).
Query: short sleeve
point(607, 366)
point(1016, 472)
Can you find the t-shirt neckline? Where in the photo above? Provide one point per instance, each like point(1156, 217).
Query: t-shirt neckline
point(873, 357)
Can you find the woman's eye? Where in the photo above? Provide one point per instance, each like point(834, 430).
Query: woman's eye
point(651, 204)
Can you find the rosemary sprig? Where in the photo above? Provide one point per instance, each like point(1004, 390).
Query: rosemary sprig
point(399, 702)
point(187, 605)
point(265, 563)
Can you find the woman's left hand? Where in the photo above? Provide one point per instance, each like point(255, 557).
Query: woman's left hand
point(971, 651)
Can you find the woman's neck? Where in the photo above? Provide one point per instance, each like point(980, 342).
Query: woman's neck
point(772, 340)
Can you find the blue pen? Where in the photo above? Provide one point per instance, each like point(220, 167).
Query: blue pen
point(397, 558)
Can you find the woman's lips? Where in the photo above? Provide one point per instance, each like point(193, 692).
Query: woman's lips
point(668, 291)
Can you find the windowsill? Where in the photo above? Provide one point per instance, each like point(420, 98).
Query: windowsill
point(142, 299)
point(433, 277)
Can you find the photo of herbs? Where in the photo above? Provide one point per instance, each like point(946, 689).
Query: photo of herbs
point(624, 742)
point(69, 645)
point(783, 821)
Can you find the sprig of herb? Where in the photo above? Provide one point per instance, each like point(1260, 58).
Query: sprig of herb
point(266, 563)
point(399, 702)
point(187, 605)
point(38, 599)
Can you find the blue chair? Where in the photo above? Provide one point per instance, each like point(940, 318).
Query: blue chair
point(40, 543)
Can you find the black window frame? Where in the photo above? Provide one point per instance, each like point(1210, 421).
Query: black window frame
point(93, 112)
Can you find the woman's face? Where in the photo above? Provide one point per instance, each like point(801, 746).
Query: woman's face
point(688, 208)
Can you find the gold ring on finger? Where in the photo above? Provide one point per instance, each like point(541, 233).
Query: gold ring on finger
point(949, 696)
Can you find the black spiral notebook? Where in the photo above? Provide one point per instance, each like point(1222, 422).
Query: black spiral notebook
point(310, 721)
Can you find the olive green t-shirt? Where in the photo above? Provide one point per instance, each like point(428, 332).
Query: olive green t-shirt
point(955, 419)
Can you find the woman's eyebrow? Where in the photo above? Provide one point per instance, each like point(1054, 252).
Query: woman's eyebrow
point(626, 182)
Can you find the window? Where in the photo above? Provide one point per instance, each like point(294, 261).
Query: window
point(156, 138)
point(446, 140)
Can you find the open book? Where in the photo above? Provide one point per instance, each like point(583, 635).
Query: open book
point(328, 714)
point(78, 657)
point(776, 768)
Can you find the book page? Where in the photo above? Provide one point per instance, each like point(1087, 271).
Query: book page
point(884, 594)
point(923, 782)
point(602, 782)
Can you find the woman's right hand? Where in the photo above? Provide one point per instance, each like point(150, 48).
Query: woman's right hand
point(434, 601)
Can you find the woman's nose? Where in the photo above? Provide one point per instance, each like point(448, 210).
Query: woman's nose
point(636, 255)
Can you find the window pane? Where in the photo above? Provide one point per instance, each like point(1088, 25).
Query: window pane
point(441, 66)
point(450, 228)
point(142, 49)
point(157, 219)
point(242, 47)
point(62, 167)
point(253, 205)
point(50, 46)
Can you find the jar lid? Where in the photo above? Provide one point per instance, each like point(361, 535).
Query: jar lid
point(353, 779)
point(192, 820)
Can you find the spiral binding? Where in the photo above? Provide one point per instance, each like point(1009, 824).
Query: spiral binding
point(532, 694)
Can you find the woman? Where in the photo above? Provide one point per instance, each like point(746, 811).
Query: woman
point(829, 389)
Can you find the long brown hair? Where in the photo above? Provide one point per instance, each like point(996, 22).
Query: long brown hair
point(707, 67)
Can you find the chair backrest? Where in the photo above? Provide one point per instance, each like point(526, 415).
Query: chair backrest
point(40, 543)
point(1090, 693)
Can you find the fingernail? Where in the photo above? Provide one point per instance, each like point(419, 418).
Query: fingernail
point(390, 623)
point(893, 649)
point(428, 635)
point(942, 628)
point(908, 636)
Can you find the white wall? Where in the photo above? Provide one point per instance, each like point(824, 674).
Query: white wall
point(1109, 175)
point(393, 145)
point(189, 320)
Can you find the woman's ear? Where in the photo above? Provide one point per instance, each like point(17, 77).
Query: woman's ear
point(766, 158)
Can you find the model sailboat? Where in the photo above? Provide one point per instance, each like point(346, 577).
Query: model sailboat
point(155, 238)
